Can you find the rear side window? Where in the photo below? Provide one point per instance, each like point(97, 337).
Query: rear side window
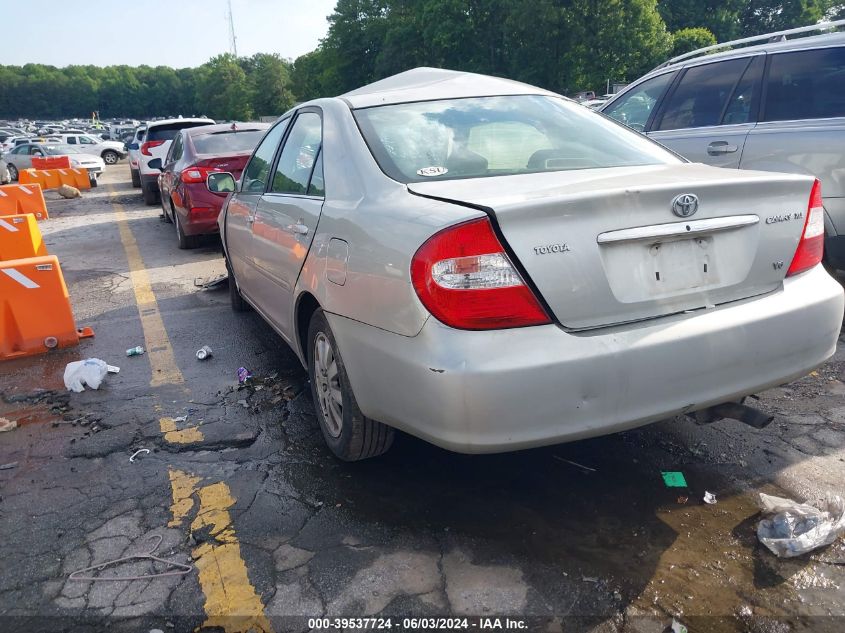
point(702, 94)
point(229, 141)
point(168, 132)
point(634, 108)
point(806, 85)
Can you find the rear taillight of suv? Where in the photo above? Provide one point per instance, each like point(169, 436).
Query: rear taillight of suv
point(811, 247)
point(465, 279)
point(145, 148)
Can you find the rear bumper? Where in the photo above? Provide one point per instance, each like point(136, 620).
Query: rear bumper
point(479, 392)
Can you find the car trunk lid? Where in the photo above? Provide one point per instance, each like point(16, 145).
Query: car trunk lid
point(603, 246)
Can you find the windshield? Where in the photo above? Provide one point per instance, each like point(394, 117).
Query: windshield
point(498, 136)
point(228, 141)
point(61, 150)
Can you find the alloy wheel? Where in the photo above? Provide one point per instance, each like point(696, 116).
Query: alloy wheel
point(328, 384)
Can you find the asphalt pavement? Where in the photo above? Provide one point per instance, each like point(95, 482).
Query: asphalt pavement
point(272, 531)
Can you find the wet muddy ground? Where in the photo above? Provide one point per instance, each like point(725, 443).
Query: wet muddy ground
point(238, 484)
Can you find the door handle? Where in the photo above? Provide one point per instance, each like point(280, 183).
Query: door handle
point(717, 148)
point(297, 229)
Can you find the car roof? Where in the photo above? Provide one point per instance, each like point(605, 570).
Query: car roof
point(815, 41)
point(429, 84)
point(225, 127)
point(152, 124)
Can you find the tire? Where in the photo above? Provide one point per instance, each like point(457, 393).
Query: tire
point(110, 157)
point(136, 178)
point(151, 196)
point(235, 298)
point(167, 217)
point(348, 433)
point(185, 241)
point(13, 172)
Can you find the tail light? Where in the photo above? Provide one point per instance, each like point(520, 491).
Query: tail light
point(811, 247)
point(195, 174)
point(146, 147)
point(465, 279)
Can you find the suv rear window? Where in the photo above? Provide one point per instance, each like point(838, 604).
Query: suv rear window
point(498, 136)
point(168, 132)
point(806, 85)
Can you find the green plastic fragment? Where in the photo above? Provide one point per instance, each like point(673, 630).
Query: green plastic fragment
point(674, 479)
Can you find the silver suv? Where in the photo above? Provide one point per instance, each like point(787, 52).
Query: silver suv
point(776, 106)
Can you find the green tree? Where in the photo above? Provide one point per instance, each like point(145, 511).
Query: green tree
point(690, 39)
point(223, 90)
point(269, 80)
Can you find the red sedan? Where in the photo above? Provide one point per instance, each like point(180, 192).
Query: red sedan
point(194, 153)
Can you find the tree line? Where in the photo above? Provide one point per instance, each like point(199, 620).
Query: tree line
point(562, 45)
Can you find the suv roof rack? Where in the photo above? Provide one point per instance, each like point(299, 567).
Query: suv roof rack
point(769, 37)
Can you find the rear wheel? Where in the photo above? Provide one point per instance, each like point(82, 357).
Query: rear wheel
point(136, 178)
point(110, 157)
point(237, 301)
point(185, 241)
point(349, 434)
point(13, 173)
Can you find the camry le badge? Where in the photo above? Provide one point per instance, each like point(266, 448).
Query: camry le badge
point(685, 205)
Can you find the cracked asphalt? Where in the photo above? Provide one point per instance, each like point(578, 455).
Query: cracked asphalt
point(239, 486)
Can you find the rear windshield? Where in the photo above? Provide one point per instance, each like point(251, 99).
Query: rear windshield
point(168, 132)
point(499, 136)
point(228, 141)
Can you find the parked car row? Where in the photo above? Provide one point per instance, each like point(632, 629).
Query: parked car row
point(20, 157)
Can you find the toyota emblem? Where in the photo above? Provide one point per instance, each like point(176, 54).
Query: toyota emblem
point(685, 205)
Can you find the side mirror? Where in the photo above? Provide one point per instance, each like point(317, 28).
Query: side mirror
point(132, 146)
point(155, 163)
point(220, 182)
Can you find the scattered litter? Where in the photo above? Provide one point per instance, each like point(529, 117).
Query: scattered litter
point(113, 369)
point(135, 351)
point(674, 479)
point(576, 464)
point(243, 403)
point(66, 191)
point(8, 466)
point(211, 283)
point(204, 352)
point(709, 498)
point(797, 528)
point(243, 375)
point(181, 418)
point(745, 611)
point(184, 569)
point(682, 499)
point(82, 373)
point(677, 627)
point(138, 452)
point(591, 579)
point(7, 425)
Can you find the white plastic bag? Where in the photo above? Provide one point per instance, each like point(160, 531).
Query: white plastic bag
point(796, 528)
point(89, 372)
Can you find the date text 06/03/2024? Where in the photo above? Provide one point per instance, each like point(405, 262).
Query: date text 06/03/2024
point(417, 624)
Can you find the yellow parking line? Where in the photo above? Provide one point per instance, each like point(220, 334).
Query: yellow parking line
point(159, 350)
point(173, 435)
point(231, 602)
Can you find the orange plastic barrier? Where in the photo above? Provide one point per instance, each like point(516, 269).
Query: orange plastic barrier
point(55, 178)
point(23, 199)
point(20, 237)
point(35, 313)
point(51, 162)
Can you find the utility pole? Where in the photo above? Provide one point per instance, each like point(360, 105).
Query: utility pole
point(233, 41)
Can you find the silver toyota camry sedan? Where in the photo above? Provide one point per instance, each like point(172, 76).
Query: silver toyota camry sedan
point(489, 266)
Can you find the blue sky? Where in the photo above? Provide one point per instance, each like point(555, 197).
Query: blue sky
point(177, 33)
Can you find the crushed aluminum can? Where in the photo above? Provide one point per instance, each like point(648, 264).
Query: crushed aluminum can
point(243, 375)
point(205, 352)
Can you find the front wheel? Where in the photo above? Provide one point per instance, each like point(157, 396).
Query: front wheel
point(110, 157)
point(348, 433)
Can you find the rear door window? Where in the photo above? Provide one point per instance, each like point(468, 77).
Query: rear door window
point(634, 108)
point(742, 107)
point(257, 171)
point(702, 94)
point(806, 85)
point(293, 173)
